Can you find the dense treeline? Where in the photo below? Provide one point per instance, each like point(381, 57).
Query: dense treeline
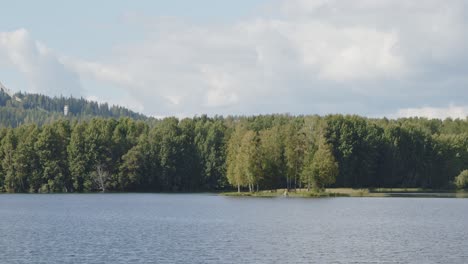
point(246, 153)
point(40, 109)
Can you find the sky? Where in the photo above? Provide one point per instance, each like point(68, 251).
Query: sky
point(392, 58)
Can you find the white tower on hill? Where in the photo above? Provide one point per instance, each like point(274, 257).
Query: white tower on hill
point(65, 110)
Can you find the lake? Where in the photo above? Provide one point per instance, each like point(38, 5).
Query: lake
point(206, 228)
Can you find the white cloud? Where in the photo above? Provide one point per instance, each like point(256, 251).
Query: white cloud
point(40, 66)
point(317, 51)
point(221, 88)
point(451, 111)
point(307, 56)
point(102, 72)
point(344, 54)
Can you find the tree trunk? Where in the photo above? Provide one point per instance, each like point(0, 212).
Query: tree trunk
point(295, 182)
point(238, 188)
point(295, 179)
point(102, 176)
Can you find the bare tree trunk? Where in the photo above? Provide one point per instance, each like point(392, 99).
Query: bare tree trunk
point(295, 178)
point(101, 177)
point(238, 188)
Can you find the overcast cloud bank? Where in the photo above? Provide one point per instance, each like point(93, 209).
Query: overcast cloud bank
point(375, 58)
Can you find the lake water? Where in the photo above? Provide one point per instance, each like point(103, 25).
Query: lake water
point(187, 228)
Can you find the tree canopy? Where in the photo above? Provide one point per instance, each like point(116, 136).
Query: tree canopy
point(246, 153)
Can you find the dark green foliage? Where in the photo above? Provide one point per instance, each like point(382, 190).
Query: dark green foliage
point(40, 109)
point(78, 160)
point(356, 145)
point(51, 147)
point(206, 154)
point(209, 140)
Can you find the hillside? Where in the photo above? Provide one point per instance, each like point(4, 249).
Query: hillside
point(24, 108)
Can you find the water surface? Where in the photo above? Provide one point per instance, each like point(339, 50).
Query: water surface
point(188, 228)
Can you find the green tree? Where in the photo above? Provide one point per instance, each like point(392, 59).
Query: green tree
point(51, 148)
point(132, 169)
point(209, 138)
point(98, 148)
point(272, 157)
point(250, 159)
point(79, 159)
point(235, 174)
point(324, 167)
point(461, 181)
point(313, 131)
point(9, 143)
point(355, 144)
point(26, 161)
point(295, 144)
point(177, 158)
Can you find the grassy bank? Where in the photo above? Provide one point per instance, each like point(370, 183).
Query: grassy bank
point(349, 192)
point(297, 193)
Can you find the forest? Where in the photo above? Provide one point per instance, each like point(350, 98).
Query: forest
point(232, 153)
point(25, 108)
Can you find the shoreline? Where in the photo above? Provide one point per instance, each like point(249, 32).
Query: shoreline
point(302, 193)
point(349, 192)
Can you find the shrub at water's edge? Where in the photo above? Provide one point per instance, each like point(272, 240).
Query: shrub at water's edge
point(461, 181)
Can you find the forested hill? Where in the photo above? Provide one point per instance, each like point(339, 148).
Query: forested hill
point(24, 108)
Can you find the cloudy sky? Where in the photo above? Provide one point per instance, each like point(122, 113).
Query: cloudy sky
point(374, 58)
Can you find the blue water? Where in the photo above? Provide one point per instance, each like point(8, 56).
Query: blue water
point(187, 228)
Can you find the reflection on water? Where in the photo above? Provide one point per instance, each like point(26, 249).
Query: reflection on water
point(185, 228)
